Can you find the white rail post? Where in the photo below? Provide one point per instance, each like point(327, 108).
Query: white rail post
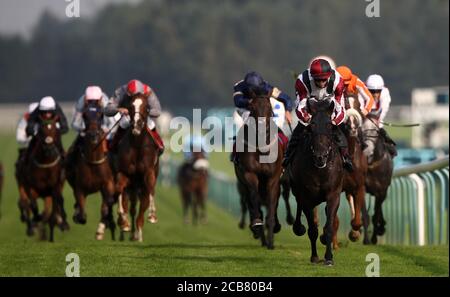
point(420, 207)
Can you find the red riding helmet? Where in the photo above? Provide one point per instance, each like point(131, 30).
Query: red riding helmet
point(320, 69)
point(136, 86)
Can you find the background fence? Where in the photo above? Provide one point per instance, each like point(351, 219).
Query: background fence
point(416, 207)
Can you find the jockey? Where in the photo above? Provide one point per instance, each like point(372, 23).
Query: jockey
point(354, 86)
point(319, 81)
point(21, 136)
point(91, 94)
point(254, 85)
point(375, 118)
point(116, 105)
point(48, 108)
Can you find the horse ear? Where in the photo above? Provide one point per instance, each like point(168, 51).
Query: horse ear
point(311, 104)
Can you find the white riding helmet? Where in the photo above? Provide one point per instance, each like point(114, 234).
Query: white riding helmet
point(47, 104)
point(32, 107)
point(93, 93)
point(375, 82)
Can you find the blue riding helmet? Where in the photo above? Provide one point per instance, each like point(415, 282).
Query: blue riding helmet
point(255, 83)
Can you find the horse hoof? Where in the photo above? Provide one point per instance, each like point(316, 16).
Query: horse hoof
point(328, 263)
point(241, 225)
point(354, 235)
point(30, 232)
point(99, 236)
point(374, 239)
point(315, 259)
point(277, 228)
point(64, 226)
point(152, 219)
point(79, 219)
point(366, 241)
point(323, 239)
point(381, 230)
point(290, 220)
point(270, 246)
point(299, 230)
point(257, 230)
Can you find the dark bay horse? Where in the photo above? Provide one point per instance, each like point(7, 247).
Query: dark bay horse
point(89, 170)
point(138, 166)
point(43, 176)
point(379, 176)
point(259, 168)
point(193, 184)
point(285, 193)
point(316, 176)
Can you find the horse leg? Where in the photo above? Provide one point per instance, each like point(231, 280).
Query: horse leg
point(25, 211)
point(313, 232)
point(79, 216)
point(195, 199)
point(108, 194)
point(332, 207)
point(356, 221)
point(273, 193)
point(256, 222)
point(366, 221)
point(122, 220)
point(286, 193)
point(100, 233)
point(335, 231)
point(133, 201)
point(244, 208)
point(150, 183)
point(377, 219)
point(53, 219)
point(61, 216)
point(143, 206)
point(298, 228)
point(48, 205)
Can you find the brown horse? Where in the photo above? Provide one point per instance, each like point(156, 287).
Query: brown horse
point(138, 166)
point(43, 177)
point(285, 193)
point(379, 176)
point(89, 170)
point(316, 176)
point(354, 182)
point(259, 169)
point(193, 184)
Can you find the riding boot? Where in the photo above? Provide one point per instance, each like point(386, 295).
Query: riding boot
point(343, 148)
point(391, 145)
point(158, 140)
point(293, 144)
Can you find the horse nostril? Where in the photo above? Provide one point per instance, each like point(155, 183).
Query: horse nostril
point(48, 140)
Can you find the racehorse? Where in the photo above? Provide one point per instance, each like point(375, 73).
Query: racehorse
point(42, 175)
point(354, 182)
point(89, 170)
point(316, 176)
point(378, 179)
point(259, 182)
point(285, 193)
point(138, 166)
point(193, 184)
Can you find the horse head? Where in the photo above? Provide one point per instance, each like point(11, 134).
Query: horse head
point(354, 118)
point(138, 112)
point(93, 117)
point(48, 132)
point(321, 129)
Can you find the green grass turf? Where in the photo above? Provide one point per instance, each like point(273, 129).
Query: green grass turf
point(171, 248)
